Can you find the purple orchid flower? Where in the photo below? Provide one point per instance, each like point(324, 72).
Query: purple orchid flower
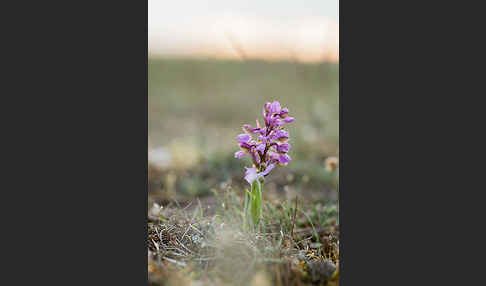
point(271, 146)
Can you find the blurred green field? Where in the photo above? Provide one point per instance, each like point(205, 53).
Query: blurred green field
point(206, 102)
point(197, 107)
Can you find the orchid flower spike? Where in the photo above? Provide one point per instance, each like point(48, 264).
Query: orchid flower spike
point(270, 147)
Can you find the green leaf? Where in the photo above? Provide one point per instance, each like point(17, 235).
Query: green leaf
point(246, 207)
point(256, 201)
point(247, 200)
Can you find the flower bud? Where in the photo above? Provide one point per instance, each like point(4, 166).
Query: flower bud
point(284, 112)
point(267, 107)
point(247, 128)
point(275, 107)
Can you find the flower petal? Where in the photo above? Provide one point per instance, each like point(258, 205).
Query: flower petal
point(274, 156)
point(281, 134)
point(268, 169)
point(244, 137)
point(289, 119)
point(240, 154)
point(284, 147)
point(268, 119)
point(264, 139)
point(261, 147)
point(251, 175)
point(245, 146)
point(284, 159)
point(277, 122)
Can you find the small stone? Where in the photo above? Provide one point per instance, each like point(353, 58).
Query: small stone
point(320, 271)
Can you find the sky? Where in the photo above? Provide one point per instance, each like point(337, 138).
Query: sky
point(268, 29)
